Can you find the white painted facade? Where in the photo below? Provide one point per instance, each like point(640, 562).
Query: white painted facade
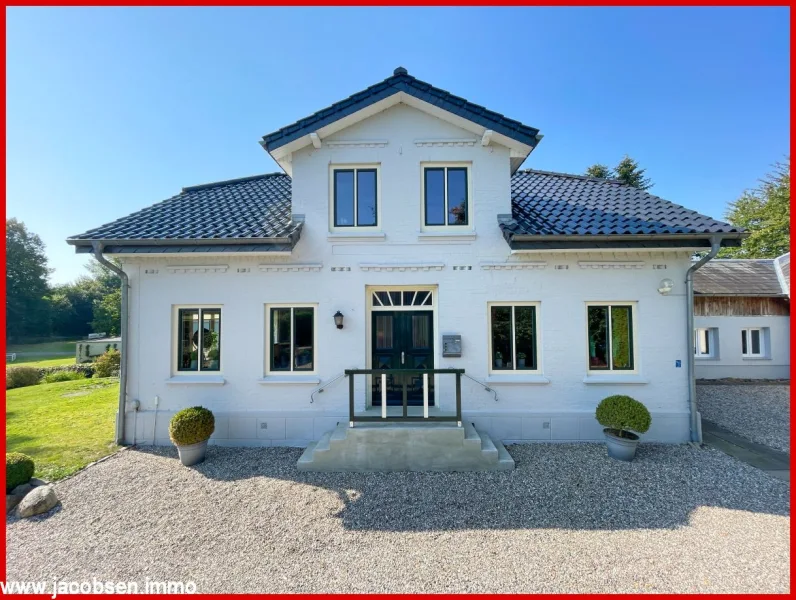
point(465, 270)
point(726, 357)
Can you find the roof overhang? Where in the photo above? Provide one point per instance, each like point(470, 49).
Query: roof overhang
point(283, 154)
point(536, 243)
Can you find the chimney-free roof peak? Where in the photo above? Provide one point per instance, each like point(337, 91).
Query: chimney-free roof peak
point(400, 71)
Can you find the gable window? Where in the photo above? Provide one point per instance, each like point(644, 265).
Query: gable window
point(610, 337)
point(445, 196)
point(703, 343)
point(355, 201)
point(513, 338)
point(291, 335)
point(753, 342)
point(199, 339)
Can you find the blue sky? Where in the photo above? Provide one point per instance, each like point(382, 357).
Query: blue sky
point(113, 109)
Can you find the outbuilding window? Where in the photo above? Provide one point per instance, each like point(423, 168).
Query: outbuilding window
point(610, 337)
point(704, 346)
point(199, 339)
point(753, 342)
point(291, 335)
point(445, 196)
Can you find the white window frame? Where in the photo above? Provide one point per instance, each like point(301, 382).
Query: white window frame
point(538, 339)
point(634, 332)
point(746, 332)
point(711, 342)
point(355, 167)
point(452, 229)
point(292, 372)
point(175, 340)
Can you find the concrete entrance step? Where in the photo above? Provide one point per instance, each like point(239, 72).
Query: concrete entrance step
point(405, 447)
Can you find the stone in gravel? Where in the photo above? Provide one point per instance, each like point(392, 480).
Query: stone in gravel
point(21, 490)
point(11, 502)
point(40, 500)
point(36, 482)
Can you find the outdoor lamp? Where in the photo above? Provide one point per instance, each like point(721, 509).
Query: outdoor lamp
point(338, 319)
point(665, 286)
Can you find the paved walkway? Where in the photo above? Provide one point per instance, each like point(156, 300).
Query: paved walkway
point(773, 462)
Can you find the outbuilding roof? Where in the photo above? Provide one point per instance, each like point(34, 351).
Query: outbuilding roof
point(738, 277)
point(549, 205)
point(549, 210)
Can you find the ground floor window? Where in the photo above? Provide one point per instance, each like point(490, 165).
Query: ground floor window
point(704, 346)
point(610, 337)
point(199, 339)
point(291, 331)
point(513, 337)
point(752, 342)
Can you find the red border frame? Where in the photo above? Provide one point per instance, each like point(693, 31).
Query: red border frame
point(365, 3)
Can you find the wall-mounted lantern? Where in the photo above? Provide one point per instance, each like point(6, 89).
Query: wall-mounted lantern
point(665, 286)
point(338, 319)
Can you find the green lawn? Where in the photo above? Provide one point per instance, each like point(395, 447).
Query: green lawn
point(48, 347)
point(63, 426)
point(42, 361)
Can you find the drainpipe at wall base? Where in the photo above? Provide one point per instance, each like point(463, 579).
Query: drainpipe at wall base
point(97, 248)
point(715, 246)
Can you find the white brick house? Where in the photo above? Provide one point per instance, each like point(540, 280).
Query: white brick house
point(403, 208)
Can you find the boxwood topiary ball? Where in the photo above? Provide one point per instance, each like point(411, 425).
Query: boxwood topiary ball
point(191, 426)
point(19, 469)
point(623, 413)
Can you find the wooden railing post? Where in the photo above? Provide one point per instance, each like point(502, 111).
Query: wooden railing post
point(458, 399)
point(350, 399)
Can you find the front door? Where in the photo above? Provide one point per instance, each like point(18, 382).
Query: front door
point(403, 340)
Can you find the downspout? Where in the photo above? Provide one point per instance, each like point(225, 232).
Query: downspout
point(715, 246)
point(97, 248)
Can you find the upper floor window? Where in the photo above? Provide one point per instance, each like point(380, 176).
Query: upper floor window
point(446, 196)
point(610, 337)
point(199, 339)
point(355, 197)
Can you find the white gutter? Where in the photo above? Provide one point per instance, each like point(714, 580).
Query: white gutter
point(696, 425)
point(97, 252)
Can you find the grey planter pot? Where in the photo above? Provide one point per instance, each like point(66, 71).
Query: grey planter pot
point(621, 448)
point(192, 454)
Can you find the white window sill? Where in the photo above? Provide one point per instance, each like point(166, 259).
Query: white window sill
point(444, 236)
point(706, 358)
point(518, 379)
point(614, 379)
point(755, 358)
point(289, 380)
point(196, 380)
point(356, 236)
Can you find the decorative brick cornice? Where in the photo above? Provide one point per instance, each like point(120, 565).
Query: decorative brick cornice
point(290, 268)
point(356, 143)
point(197, 268)
point(611, 264)
point(513, 266)
point(449, 143)
point(390, 267)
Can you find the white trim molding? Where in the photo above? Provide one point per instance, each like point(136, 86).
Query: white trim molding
point(357, 143)
point(365, 236)
point(611, 264)
point(390, 267)
point(197, 268)
point(443, 237)
point(290, 267)
point(446, 143)
point(513, 266)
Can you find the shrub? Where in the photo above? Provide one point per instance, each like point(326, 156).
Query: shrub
point(19, 469)
point(623, 414)
point(17, 377)
point(85, 369)
point(108, 364)
point(60, 376)
point(191, 426)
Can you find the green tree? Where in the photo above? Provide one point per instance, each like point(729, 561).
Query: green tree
point(765, 213)
point(27, 310)
point(628, 171)
point(600, 171)
point(108, 313)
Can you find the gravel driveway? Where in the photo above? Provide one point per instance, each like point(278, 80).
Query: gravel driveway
point(760, 413)
point(568, 519)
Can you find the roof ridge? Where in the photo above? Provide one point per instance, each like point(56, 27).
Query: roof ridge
point(574, 176)
point(205, 186)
